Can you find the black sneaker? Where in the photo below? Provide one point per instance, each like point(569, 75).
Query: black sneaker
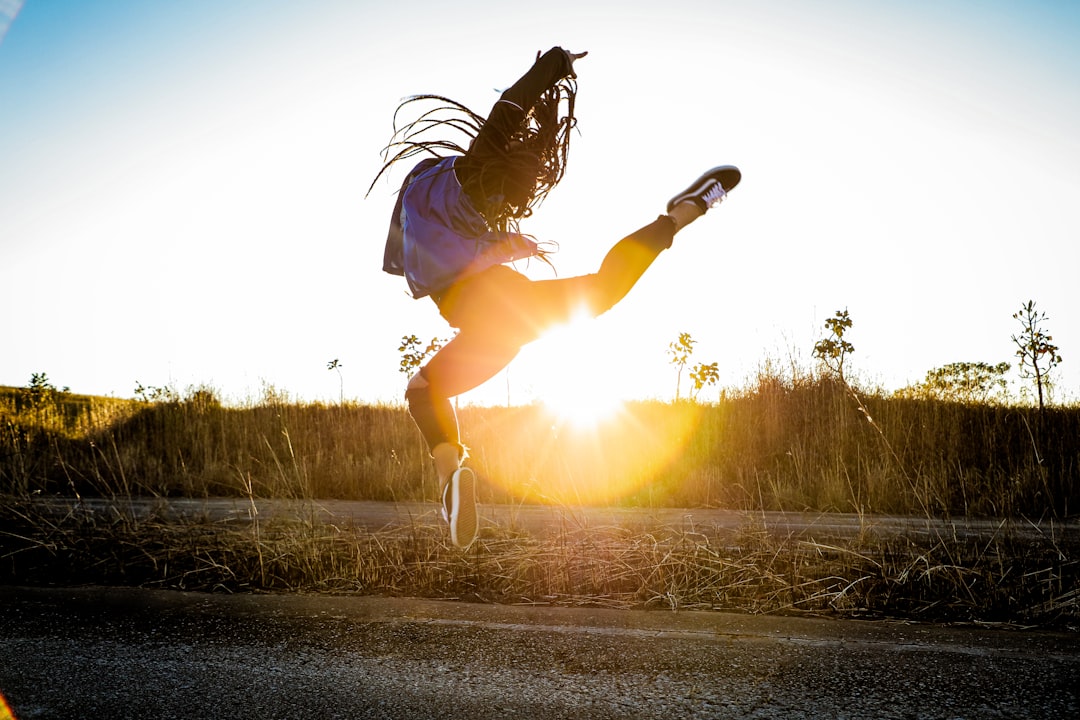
point(709, 189)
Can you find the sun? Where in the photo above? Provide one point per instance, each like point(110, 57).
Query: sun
point(573, 374)
point(581, 407)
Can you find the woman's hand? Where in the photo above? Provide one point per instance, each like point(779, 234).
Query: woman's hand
point(572, 57)
point(569, 56)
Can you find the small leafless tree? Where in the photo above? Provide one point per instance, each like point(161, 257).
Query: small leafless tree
point(1038, 355)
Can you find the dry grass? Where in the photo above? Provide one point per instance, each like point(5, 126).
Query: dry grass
point(1002, 579)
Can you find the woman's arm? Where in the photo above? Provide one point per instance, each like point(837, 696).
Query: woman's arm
point(548, 69)
point(516, 102)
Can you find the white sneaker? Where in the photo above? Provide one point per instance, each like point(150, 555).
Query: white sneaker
point(459, 507)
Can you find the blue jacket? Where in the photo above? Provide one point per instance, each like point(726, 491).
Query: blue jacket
point(436, 236)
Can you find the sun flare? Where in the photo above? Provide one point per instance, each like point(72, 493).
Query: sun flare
point(572, 374)
point(582, 433)
point(581, 410)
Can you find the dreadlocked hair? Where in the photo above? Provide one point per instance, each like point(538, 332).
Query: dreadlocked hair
point(505, 182)
point(406, 142)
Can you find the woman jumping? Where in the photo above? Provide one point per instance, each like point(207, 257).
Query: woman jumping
point(455, 229)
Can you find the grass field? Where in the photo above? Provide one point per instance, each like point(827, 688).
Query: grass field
point(779, 445)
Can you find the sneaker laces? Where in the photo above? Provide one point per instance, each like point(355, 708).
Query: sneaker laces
point(714, 196)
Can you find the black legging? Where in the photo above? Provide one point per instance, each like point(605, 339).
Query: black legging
point(499, 310)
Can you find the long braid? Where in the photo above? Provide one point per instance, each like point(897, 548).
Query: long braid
point(405, 143)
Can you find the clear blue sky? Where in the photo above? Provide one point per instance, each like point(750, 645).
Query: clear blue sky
point(182, 185)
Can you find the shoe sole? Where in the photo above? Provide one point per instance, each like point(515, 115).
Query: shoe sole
point(463, 517)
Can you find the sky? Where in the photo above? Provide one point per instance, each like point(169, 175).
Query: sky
point(183, 187)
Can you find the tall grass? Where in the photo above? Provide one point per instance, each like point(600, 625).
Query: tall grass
point(802, 444)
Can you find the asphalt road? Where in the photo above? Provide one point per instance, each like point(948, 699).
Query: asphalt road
point(128, 653)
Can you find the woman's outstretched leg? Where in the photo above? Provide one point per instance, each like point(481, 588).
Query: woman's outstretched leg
point(499, 310)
